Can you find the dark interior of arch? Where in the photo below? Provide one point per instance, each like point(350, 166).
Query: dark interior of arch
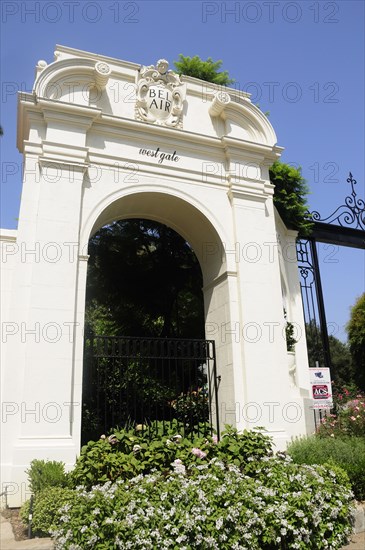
point(143, 280)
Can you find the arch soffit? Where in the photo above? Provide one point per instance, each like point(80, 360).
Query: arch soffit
point(192, 220)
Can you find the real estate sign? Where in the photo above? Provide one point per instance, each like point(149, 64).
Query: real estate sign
point(321, 388)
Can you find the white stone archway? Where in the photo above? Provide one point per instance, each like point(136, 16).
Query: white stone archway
point(97, 148)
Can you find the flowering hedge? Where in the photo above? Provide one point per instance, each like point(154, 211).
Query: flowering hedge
point(127, 453)
point(144, 490)
point(281, 505)
point(349, 420)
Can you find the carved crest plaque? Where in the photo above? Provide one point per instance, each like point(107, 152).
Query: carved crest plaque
point(160, 96)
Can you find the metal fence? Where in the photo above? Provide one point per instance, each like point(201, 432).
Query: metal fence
point(130, 381)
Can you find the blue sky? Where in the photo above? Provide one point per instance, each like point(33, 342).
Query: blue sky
point(303, 61)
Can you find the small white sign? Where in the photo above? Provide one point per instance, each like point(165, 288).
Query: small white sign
point(321, 388)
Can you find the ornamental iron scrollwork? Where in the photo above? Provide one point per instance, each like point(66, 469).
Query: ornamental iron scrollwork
point(351, 214)
point(307, 282)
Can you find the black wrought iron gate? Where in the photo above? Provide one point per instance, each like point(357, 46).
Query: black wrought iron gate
point(344, 227)
point(131, 381)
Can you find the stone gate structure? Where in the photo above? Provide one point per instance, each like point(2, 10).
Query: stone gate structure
point(103, 140)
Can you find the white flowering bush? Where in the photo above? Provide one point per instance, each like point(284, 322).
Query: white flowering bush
point(280, 505)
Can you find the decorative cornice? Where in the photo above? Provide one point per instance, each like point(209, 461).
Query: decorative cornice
point(29, 105)
point(66, 164)
point(241, 145)
point(207, 90)
point(84, 257)
point(8, 235)
point(96, 57)
point(59, 109)
point(32, 148)
point(220, 279)
point(246, 193)
point(166, 135)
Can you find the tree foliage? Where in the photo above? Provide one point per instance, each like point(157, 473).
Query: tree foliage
point(205, 70)
point(143, 280)
point(290, 195)
point(356, 335)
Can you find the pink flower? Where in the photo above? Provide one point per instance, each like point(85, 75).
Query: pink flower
point(215, 439)
point(353, 418)
point(198, 452)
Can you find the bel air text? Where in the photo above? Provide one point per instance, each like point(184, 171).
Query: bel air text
point(161, 156)
point(160, 99)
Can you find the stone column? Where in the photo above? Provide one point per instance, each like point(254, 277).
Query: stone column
point(42, 376)
point(261, 330)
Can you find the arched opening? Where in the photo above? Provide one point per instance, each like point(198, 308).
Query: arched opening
point(146, 357)
point(143, 280)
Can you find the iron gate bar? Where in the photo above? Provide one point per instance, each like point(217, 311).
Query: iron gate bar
point(200, 349)
point(309, 292)
point(321, 308)
point(147, 379)
point(341, 236)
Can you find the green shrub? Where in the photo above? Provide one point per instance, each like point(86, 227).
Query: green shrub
point(346, 452)
point(282, 505)
point(205, 70)
point(47, 509)
point(43, 473)
point(128, 453)
point(242, 448)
